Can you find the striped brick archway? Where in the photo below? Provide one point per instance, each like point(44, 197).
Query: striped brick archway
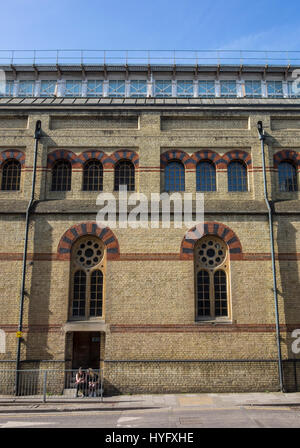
point(235, 156)
point(88, 228)
point(174, 155)
point(125, 154)
point(205, 155)
point(62, 154)
point(12, 154)
point(287, 155)
point(211, 228)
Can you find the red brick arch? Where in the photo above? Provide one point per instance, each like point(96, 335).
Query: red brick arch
point(176, 154)
point(125, 154)
point(216, 229)
point(12, 154)
point(88, 228)
point(206, 154)
point(287, 155)
point(60, 154)
point(91, 155)
point(236, 155)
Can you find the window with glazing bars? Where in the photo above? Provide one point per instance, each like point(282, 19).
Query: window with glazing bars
point(48, 88)
point(185, 89)
point(274, 89)
point(73, 88)
point(7, 88)
point(124, 175)
point(94, 88)
point(294, 89)
point(252, 89)
point(163, 88)
point(174, 176)
point(220, 293)
point(26, 88)
point(93, 176)
point(287, 175)
point(79, 293)
point(11, 174)
point(61, 176)
point(138, 88)
point(205, 176)
point(203, 294)
point(116, 88)
point(237, 176)
point(206, 89)
point(96, 297)
point(211, 269)
point(228, 88)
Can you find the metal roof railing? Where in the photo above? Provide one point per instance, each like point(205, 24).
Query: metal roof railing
point(149, 57)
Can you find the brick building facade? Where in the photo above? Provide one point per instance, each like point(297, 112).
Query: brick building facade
point(135, 301)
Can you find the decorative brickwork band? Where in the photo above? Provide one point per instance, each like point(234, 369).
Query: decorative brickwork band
point(91, 155)
point(287, 155)
point(207, 155)
point(125, 154)
point(62, 154)
point(174, 155)
point(88, 228)
point(235, 155)
point(12, 154)
point(216, 229)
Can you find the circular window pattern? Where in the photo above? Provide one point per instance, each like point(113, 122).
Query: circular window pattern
point(89, 254)
point(212, 252)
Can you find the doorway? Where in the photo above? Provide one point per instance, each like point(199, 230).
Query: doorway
point(86, 350)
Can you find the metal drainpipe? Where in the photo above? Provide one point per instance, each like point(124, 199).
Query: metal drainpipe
point(262, 138)
point(37, 136)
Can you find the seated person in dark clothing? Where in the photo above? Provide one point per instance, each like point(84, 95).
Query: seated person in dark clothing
point(80, 382)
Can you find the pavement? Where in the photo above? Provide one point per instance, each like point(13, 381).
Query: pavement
point(266, 400)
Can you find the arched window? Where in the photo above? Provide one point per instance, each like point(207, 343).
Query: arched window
point(124, 175)
point(11, 174)
point(93, 176)
point(237, 176)
point(211, 275)
point(87, 278)
point(61, 176)
point(205, 176)
point(174, 176)
point(287, 176)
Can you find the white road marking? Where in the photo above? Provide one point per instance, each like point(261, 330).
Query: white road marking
point(17, 424)
point(123, 420)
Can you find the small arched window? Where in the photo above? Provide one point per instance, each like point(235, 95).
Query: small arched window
point(211, 275)
point(87, 278)
point(205, 176)
point(11, 174)
point(237, 176)
point(61, 176)
point(93, 176)
point(174, 176)
point(124, 175)
point(287, 176)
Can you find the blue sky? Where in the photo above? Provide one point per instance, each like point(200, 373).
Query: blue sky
point(152, 24)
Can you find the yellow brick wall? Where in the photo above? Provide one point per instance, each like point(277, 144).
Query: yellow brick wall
point(155, 296)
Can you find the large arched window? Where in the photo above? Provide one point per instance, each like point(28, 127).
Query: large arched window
point(87, 278)
point(237, 176)
point(93, 176)
point(11, 174)
point(205, 176)
point(287, 176)
point(174, 176)
point(61, 176)
point(211, 278)
point(124, 175)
